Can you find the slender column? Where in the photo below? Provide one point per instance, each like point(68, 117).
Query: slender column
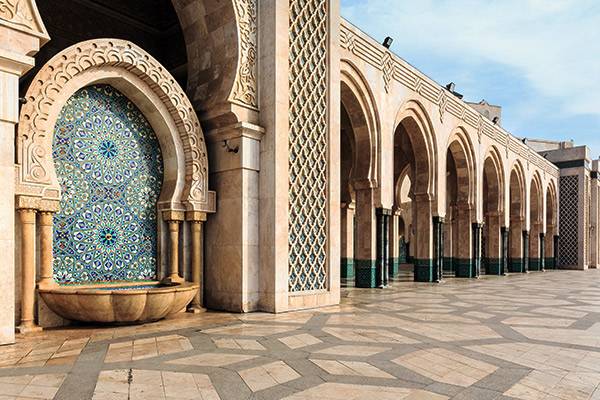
point(505, 235)
point(173, 219)
point(196, 306)
point(45, 222)
point(477, 228)
point(383, 247)
point(27, 219)
point(555, 255)
point(542, 251)
point(438, 249)
point(347, 240)
point(526, 252)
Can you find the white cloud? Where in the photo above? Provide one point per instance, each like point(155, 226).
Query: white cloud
point(555, 44)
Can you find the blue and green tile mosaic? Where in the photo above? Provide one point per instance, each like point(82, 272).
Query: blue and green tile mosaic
point(110, 169)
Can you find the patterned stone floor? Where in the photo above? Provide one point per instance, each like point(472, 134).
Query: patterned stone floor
point(534, 336)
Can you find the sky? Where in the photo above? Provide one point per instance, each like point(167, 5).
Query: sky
point(538, 59)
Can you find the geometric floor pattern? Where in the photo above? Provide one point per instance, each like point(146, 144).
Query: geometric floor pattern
point(534, 336)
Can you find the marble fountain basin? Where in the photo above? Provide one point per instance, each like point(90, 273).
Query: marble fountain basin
point(123, 304)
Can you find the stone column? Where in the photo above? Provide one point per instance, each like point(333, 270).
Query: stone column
point(515, 263)
point(493, 245)
point(366, 240)
point(504, 231)
point(424, 239)
point(383, 245)
point(465, 267)
point(438, 248)
point(173, 219)
point(27, 220)
point(525, 252)
point(534, 247)
point(549, 247)
point(46, 223)
point(196, 220)
point(448, 244)
point(542, 251)
point(555, 253)
point(347, 241)
point(477, 229)
point(394, 241)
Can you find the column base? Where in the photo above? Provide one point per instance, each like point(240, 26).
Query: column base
point(170, 280)
point(449, 264)
point(424, 270)
point(493, 266)
point(195, 309)
point(366, 273)
point(465, 268)
point(347, 267)
point(28, 327)
point(394, 263)
point(535, 264)
point(516, 265)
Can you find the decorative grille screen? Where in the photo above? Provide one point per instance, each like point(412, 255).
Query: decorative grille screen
point(308, 146)
point(569, 220)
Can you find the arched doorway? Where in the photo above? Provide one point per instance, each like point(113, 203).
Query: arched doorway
point(110, 168)
point(413, 156)
point(460, 175)
point(493, 200)
point(536, 225)
point(518, 235)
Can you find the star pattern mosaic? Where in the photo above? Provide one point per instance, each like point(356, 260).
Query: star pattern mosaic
point(110, 168)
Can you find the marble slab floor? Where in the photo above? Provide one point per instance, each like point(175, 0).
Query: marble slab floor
point(533, 336)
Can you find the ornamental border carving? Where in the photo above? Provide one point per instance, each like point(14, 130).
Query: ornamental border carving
point(245, 89)
point(35, 166)
point(21, 14)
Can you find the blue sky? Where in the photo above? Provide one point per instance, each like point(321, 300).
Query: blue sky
point(538, 59)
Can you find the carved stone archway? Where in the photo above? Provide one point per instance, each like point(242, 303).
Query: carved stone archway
point(107, 60)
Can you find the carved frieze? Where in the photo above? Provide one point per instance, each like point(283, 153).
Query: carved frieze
point(23, 14)
point(245, 89)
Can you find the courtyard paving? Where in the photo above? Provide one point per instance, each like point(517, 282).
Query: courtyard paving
point(534, 336)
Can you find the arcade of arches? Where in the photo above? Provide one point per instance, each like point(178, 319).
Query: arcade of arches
point(152, 147)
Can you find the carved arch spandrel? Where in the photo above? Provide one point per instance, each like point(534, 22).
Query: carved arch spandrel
point(36, 174)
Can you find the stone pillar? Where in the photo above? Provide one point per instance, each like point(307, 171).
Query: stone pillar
point(515, 263)
point(477, 229)
point(46, 223)
point(549, 247)
point(525, 252)
point(347, 241)
point(448, 244)
point(504, 231)
point(394, 242)
point(233, 266)
point(534, 247)
point(196, 220)
point(366, 240)
point(465, 267)
point(22, 33)
point(542, 251)
point(493, 245)
point(438, 248)
point(383, 247)
point(556, 240)
point(173, 219)
point(27, 220)
point(423, 224)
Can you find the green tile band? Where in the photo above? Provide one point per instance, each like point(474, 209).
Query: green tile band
point(449, 264)
point(424, 270)
point(516, 265)
point(493, 266)
point(465, 268)
point(365, 273)
point(347, 267)
point(535, 264)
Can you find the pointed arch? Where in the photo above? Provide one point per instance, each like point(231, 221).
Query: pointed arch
point(412, 118)
point(463, 153)
point(148, 85)
point(493, 173)
point(517, 190)
point(358, 101)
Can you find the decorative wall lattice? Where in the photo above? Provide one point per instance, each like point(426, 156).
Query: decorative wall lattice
point(308, 146)
point(110, 168)
point(569, 220)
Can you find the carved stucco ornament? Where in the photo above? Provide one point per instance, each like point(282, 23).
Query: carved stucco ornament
point(35, 167)
point(387, 67)
point(245, 89)
point(23, 15)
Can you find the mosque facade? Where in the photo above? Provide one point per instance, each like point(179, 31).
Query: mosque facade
point(264, 151)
